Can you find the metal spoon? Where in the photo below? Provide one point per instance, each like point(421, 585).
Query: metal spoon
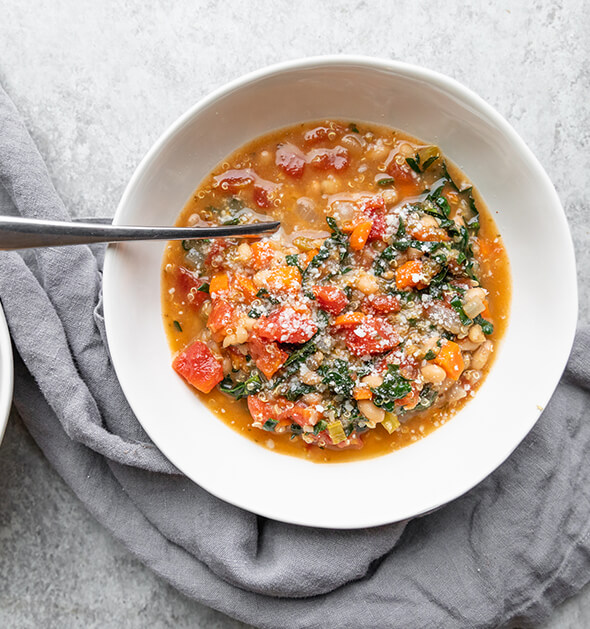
point(24, 233)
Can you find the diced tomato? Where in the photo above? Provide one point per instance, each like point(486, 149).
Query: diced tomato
point(260, 411)
point(282, 411)
point(263, 254)
point(197, 365)
point(374, 209)
point(330, 298)
point(215, 249)
point(287, 325)
point(268, 356)
point(185, 281)
point(411, 400)
point(373, 335)
point(220, 318)
point(290, 160)
point(382, 304)
point(401, 173)
point(313, 136)
point(234, 180)
point(329, 159)
point(301, 414)
point(261, 197)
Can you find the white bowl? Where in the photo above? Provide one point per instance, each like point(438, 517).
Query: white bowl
point(6, 374)
point(526, 370)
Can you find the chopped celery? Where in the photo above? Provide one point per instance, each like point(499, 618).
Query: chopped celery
point(391, 422)
point(336, 432)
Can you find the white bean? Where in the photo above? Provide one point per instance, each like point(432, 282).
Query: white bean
point(373, 380)
point(244, 252)
point(370, 411)
point(433, 374)
point(476, 334)
point(367, 284)
point(481, 355)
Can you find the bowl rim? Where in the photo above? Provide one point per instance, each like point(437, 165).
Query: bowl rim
point(468, 98)
point(6, 373)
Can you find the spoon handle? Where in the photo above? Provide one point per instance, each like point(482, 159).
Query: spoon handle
point(24, 233)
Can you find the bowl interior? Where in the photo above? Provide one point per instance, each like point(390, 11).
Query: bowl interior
point(455, 457)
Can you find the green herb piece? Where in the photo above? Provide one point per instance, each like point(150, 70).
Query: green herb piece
point(427, 398)
point(177, 326)
point(337, 378)
point(203, 288)
point(270, 424)
point(458, 306)
point(353, 128)
point(401, 229)
point(394, 387)
point(320, 426)
point(263, 293)
point(430, 355)
point(385, 181)
point(187, 245)
point(232, 221)
point(338, 241)
point(239, 390)
point(255, 313)
point(486, 327)
point(382, 262)
point(297, 390)
point(293, 260)
point(423, 159)
point(296, 429)
point(234, 204)
point(301, 354)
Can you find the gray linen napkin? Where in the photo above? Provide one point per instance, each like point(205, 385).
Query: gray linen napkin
point(508, 551)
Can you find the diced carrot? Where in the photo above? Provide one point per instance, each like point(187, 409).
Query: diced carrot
point(429, 234)
point(362, 393)
point(246, 286)
point(198, 366)
point(409, 275)
point(218, 284)
point(309, 256)
point(486, 314)
point(268, 356)
point(263, 254)
point(349, 319)
point(284, 278)
point(359, 236)
point(450, 359)
point(348, 227)
point(330, 298)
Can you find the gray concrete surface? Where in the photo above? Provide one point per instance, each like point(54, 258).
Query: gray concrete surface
point(98, 82)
